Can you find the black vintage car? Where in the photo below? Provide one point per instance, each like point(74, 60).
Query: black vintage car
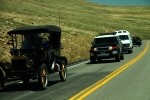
point(36, 53)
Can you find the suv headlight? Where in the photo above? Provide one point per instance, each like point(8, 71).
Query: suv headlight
point(95, 49)
point(110, 48)
point(113, 47)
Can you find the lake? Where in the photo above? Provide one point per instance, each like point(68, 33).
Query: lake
point(122, 2)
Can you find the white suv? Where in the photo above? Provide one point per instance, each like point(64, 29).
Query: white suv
point(126, 40)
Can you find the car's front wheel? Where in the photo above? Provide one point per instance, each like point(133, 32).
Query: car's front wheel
point(43, 76)
point(92, 59)
point(63, 71)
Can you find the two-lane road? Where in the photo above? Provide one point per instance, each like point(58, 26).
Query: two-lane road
point(108, 80)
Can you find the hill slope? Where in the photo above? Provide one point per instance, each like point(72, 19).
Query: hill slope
point(79, 20)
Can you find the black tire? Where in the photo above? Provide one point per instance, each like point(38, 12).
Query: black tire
point(92, 59)
point(130, 51)
point(63, 71)
point(1, 81)
point(43, 76)
point(122, 56)
point(99, 59)
point(117, 58)
point(139, 45)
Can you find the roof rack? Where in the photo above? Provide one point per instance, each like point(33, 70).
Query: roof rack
point(111, 33)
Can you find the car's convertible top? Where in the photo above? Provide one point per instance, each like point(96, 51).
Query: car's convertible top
point(36, 29)
point(54, 31)
point(35, 53)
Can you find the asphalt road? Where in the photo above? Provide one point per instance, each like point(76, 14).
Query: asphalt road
point(108, 80)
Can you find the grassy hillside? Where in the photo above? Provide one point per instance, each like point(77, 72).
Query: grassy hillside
point(79, 20)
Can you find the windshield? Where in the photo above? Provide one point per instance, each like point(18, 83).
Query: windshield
point(124, 37)
point(105, 40)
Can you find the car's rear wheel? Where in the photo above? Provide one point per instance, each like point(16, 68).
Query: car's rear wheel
point(63, 71)
point(1, 81)
point(43, 76)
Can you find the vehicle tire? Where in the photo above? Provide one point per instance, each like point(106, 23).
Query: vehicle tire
point(92, 59)
point(99, 59)
point(139, 45)
point(1, 81)
point(117, 58)
point(122, 56)
point(63, 71)
point(130, 51)
point(43, 76)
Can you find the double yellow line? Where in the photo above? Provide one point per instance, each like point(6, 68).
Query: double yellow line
point(84, 93)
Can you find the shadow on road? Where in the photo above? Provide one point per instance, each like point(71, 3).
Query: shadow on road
point(103, 61)
point(32, 86)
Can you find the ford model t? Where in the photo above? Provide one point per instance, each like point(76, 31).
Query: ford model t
point(35, 54)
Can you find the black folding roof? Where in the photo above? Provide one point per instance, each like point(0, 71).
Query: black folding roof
point(36, 29)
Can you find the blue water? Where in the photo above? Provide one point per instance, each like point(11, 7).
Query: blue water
point(123, 2)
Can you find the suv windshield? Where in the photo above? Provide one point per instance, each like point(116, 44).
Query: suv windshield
point(124, 37)
point(105, 40)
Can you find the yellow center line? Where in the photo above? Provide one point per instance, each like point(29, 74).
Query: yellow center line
point(84, 93)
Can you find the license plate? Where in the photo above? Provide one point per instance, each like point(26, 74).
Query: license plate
point(102, 54)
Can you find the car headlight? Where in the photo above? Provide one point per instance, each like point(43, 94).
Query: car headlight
point(8, 65)
point(110, 48)
point(29, 63)
point(95, 49)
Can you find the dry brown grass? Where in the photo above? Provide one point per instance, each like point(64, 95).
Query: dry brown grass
point(4, 48)
point(79, 20)
point(76, 46)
